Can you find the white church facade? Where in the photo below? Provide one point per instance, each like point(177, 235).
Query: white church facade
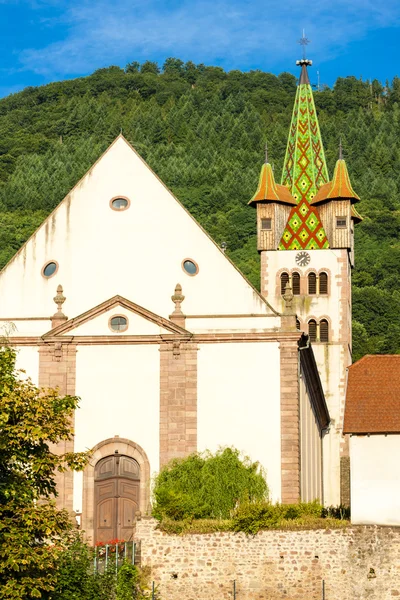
point(121, 298)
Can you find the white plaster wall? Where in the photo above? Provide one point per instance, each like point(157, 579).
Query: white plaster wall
point(375, 479)
point(136, 253)
point(28, 360)
point(225, 324)
point(28, 328)
point(239, 403)
point(119, 387)
point(332, 359)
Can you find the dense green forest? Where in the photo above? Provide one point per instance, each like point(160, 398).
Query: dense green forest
point(203, 131)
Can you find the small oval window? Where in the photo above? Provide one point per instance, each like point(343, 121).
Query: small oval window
point(190, 267)
point(119, 203)
point(49, 269)
point(118, 323)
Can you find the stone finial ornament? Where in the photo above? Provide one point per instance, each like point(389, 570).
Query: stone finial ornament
point(288, 298)
point(177, 316)
point(58, 316)
point(59, 299)
point(178, 298)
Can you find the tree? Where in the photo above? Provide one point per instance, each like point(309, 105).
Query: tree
point(207, 485)
point(150, 67)
point(33, 532)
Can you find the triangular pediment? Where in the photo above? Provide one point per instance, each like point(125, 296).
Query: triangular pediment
point(138, 252)
point(96, 321)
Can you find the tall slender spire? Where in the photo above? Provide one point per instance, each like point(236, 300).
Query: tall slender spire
point(304, 170)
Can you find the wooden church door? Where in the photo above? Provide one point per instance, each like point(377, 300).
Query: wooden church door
point(117, 482)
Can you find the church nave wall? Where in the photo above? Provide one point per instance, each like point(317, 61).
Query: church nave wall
point(239, 387)
point(119, 388)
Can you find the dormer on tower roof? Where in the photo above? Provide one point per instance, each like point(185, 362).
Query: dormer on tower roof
point(270, 191)
point(339, 188)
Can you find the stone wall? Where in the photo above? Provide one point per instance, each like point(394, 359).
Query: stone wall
point(355, 564)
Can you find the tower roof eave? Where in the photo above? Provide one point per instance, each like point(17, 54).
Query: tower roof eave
point(270, 191)
point(339, 188)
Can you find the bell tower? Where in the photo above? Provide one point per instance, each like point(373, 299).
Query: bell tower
point(305, 232)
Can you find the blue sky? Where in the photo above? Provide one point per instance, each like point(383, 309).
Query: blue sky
point(49, 40)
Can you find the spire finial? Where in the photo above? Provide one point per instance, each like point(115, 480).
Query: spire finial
point(304, 41)
point(340, 149)
point(266, 153)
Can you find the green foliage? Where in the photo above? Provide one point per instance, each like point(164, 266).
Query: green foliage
point(252, 517)
point(76, 579)
point(33, 533)
point(203, 131)
point(207, 485)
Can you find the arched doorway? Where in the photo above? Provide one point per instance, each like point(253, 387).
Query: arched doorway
point(105, 450)
point(116, 494)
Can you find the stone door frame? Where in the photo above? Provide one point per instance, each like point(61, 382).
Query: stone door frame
point(108, 448)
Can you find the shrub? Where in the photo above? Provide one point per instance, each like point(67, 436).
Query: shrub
point(207, 486)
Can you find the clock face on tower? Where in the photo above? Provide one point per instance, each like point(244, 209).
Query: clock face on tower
point(302, 259)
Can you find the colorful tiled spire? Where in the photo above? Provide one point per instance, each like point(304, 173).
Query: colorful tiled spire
point(304, 171)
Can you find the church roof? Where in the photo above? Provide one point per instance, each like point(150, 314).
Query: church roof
point(373, 395)
point(339, 188)
point(270, 191)
point(304, 171)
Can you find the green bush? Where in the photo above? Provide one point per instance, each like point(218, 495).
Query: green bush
point(207, 486)
point(76, 579)
point(251, 517)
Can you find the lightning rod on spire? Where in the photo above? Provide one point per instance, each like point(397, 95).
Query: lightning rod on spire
point(266, 152)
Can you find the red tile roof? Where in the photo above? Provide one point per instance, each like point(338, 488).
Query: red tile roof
point(373, 395)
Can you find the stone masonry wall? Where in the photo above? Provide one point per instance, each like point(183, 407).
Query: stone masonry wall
point(356, 563)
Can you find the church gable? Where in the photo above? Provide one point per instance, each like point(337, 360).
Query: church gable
point(117, 316)
point(121, 231)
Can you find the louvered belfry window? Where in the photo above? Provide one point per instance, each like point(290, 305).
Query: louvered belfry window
point(284, 281)
point(323, 283)
point(296, 284)
point(312, 283)
point(324, 331)
point(312, 330)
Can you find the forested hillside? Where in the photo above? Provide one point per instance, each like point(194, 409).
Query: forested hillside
point(203, 131)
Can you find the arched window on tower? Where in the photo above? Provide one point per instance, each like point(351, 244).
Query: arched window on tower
point(296, 284)
point(323, 331)
point(298, 326)
point(312, 283)
point(323, 283)
point(284, 281)
point(312, 330)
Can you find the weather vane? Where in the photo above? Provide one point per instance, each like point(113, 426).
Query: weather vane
point(304, 41)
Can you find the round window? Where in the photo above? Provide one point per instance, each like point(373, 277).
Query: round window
point(119, 203)
point(118, 323)
point(49, 269)
point(190, 267)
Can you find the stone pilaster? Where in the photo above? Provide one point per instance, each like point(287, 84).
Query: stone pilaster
point(178, 400)
point(57, 369)
point(290, 422)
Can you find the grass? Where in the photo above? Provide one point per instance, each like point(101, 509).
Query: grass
point(199, 526)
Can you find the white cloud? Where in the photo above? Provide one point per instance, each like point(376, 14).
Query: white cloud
point(103, 32)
